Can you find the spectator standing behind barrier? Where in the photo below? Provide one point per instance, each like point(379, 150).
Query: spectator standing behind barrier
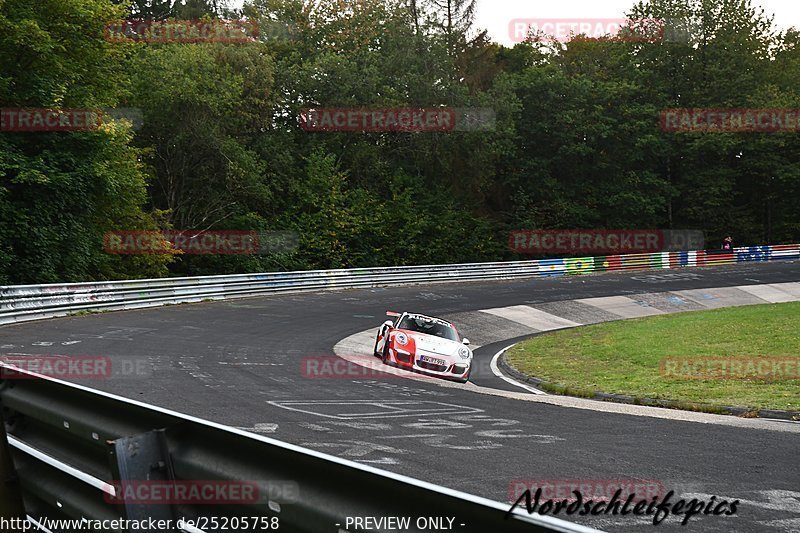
point(727, 244)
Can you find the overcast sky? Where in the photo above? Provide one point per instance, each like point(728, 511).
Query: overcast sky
point(495, 15)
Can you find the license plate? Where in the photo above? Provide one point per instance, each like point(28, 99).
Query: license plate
point(432, 360)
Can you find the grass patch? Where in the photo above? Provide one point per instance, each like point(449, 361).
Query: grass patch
point(83, 312)
point(625, 357)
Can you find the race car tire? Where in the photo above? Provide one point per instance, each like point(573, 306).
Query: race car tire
point(385, 356)
point(375, 351)
point(465, 379)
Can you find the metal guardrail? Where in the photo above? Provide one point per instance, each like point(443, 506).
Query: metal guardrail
point(19, 303)
point(76, 449)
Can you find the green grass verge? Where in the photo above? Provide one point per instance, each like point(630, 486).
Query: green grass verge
point(625, 357)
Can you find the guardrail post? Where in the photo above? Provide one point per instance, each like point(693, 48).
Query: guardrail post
point(11, 504)
point(141, 465)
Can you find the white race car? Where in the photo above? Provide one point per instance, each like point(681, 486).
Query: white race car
point(424, 344)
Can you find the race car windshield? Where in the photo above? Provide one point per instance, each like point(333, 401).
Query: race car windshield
point(429, 327)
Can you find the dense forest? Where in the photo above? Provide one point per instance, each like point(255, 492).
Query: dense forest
point(575, 143)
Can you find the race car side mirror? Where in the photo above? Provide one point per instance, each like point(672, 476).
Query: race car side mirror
point(465, 341)
point(388, 323)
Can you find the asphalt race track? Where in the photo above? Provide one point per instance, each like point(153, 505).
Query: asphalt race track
point(239, 363)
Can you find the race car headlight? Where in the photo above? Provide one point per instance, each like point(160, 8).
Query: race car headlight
point(401, 338)
point(464, 353)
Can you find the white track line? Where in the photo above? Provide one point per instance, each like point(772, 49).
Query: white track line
point(496, 372)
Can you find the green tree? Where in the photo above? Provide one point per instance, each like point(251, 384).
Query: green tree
point(60, 192)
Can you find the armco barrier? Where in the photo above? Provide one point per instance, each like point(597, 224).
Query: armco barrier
point(75, 448)
point(19, 303)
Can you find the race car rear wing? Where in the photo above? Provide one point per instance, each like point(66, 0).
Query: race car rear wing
point(392, 313)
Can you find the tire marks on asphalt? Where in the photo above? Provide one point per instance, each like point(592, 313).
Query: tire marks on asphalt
point(382, 442)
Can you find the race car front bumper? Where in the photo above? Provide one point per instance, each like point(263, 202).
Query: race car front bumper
point(449, 370)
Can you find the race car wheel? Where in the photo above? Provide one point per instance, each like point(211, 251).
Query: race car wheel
point(465, 378)
point(375, 351)
point(385, 357)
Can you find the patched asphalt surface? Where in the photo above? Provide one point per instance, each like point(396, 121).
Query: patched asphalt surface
point(239, 363)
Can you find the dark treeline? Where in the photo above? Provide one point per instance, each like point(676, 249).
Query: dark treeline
point(576, 144)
